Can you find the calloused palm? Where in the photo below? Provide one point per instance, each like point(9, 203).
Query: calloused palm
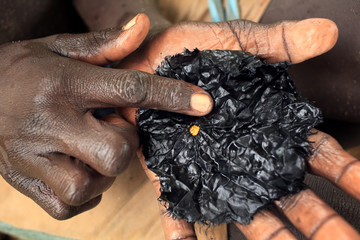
point(293, 41)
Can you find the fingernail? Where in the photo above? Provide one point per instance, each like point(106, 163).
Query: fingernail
point(201, 102)
point(131, 23)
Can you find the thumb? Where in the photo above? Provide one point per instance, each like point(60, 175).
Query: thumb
point(293, 41)
point(102, 47)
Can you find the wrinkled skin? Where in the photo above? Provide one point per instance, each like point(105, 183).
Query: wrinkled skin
point(283, 41)
point(61, 139)
point(293, 41)
point(52, 148)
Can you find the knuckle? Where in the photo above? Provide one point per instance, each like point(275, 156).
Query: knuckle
point(13, 177)
point(103, 36)
point(175, 97)
point(79, 46)
point(239, 32)
point(324, 139)
point(132, 87)
point(93, 43)
point(59, 44)
point(319, 141)
point(174, 94)
point(117, 155)
point(42, 194)
point(60, 211)
point(76, 190)
point(95, 39)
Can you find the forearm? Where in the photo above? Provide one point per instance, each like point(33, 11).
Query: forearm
point(101, 14)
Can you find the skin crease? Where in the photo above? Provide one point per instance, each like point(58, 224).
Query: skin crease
point(266, 41)
point(56, 152)
point(277, 42)
point(41, 119)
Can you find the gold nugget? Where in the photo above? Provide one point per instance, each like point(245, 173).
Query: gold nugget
point(194, 130)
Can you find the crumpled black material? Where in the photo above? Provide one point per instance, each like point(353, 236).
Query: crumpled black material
point(250, 149)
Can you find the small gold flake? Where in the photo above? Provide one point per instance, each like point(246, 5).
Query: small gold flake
point(194, 130)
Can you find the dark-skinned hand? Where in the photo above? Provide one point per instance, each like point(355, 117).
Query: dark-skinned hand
point(52, 149)
point(293, 41)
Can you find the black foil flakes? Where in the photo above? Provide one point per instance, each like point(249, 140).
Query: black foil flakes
point(249, 151)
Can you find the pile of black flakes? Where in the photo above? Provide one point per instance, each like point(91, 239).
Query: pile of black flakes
point(249, 151)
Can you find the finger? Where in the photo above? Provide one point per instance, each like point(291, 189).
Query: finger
point(293, 41)
point(205, 232)
point(173, 229)
point(103, 146)
point(74, 182)
point(96, 87)
point(45, 197)
point(102, 47)
point(330, 161)
point(176, 229)
point(180, 229)
point(265, 226)
point(314, 218)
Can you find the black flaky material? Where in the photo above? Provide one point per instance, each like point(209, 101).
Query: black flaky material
point(249, 151)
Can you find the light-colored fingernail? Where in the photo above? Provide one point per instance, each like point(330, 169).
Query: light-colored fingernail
point(131, 23)
point(201, 102)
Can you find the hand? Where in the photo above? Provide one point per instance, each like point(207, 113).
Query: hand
point(311, 215)
point(307, 212)
point(293, 41)
point(52, 149)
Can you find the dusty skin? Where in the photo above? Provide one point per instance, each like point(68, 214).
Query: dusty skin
point(60, 115)
point(295, 41)
point(58, 153)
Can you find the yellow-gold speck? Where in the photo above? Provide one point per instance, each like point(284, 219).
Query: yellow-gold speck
point(194, 130)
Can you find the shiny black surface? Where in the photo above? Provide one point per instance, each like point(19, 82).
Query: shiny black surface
point(250, 149)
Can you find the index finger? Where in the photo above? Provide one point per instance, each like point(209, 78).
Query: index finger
point(96, 87)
